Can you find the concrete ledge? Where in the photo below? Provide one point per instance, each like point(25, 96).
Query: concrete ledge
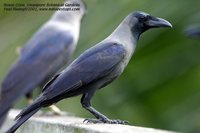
point(70, 124)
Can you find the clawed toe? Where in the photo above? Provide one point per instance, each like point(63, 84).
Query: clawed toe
point(119, 122)
point(108, 121)
point(92, 121)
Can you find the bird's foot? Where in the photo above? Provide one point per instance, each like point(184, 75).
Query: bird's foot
point(18, 50)
point(29, 101)
point(108, 121)
point(56, 110)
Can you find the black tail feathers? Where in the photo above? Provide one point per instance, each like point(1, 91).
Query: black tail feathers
point(21, 120)
point(26, 113)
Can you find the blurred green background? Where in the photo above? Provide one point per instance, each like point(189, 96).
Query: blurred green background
point(160, 87)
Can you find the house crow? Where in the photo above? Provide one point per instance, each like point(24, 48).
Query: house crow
point(44, 54)
point(94, 69)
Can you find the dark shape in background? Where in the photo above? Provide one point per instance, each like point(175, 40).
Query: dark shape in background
point(193, 31)
point(161, 81)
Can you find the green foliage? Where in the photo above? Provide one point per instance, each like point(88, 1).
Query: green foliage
point(160, 87)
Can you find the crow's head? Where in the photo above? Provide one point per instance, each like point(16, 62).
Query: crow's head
point(141, 21)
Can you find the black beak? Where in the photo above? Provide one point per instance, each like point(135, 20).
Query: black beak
point(158, 22)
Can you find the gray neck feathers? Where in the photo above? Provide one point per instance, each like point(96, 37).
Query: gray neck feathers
point(124, 32)
point(125, 35)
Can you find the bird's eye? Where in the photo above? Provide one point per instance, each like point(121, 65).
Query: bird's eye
point(143, 18)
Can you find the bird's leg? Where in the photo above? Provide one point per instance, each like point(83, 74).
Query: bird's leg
point(85, 101)
point(29, 97)
point(55, 110)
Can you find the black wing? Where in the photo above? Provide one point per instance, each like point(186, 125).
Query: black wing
point(93, 64)
point(50, 82)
